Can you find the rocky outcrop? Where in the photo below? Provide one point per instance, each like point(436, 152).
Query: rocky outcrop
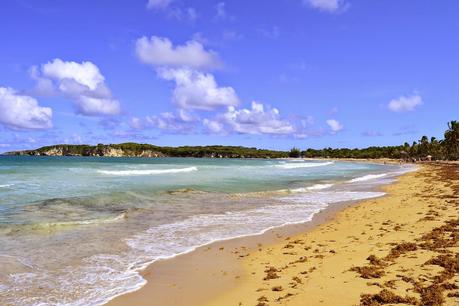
point(56, 151)
point(110, 152)
point(107, 151)
point(130, 149)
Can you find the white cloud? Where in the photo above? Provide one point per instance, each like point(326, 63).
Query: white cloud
point(86, 73)
point(198, 90)
point(158, 4)
point(191, 14)
point(220, 10)
point(331, 6)
point(23, 112)
point(81, 82)
point(405, 103)
point(257, 120)
point(136, 123)
point(213, 126)
point(334, 125)
point(177, 123)
point(180, 121)
point(160, 52)
point(98, 106)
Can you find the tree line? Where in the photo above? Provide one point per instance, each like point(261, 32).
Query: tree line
point(424, 149)
point(444, 149)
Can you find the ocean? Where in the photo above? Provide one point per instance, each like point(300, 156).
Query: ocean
point(77, 230)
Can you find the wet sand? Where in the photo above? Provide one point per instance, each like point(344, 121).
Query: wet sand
point(402, 248)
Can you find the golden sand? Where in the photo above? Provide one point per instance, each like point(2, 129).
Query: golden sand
point(399, 249)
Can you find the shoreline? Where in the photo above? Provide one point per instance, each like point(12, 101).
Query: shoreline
point(402, 248)
point(164, 280)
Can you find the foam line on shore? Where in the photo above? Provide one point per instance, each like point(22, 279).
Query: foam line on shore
point(368, 177)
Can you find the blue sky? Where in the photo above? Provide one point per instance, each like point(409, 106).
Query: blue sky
point(271, 74)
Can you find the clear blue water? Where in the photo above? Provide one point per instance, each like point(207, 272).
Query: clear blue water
point(76, 230)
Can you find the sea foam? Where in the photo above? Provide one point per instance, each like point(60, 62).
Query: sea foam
point(147, 171)
point(311, 188)
point(368, 177)
point(302, 165)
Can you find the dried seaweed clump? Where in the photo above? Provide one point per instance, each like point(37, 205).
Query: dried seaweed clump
point(271, 273)
point(444, 236)
point(431, 295)
point(368, 272)
point(386, 297)
point(401, 249)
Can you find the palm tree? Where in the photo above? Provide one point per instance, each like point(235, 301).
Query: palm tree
point(435, 148)
point(423, 149)
point(295, 152)
point(451, 142)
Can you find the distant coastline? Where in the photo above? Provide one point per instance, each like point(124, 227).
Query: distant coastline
point(148, 150)
point(423, 150)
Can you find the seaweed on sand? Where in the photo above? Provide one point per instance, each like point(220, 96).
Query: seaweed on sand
point(368, 272)
point(271, 273)
point(386, 297)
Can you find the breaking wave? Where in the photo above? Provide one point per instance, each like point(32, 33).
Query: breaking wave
point(302, 165)
point(311, 188)
point(368, 177)
point(146, 172)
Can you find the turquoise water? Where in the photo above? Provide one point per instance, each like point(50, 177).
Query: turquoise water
point(76, 230)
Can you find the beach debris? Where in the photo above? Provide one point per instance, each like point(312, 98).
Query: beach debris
point(386, 297)
point(302, 259)
point(453, 294)
point(368, 272)
point(297, 279)
point(284, 297)
point(277, 288)
point(263, 299)
point(271, 273)
point(375, 260)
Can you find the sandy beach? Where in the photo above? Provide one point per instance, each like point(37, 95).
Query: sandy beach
point(402, 248)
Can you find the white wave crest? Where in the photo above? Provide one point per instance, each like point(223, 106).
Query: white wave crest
point(319, 186)
point(146, 172)
point(368, 177)
point(311, 188)
point(6, 185)
point(302, 165)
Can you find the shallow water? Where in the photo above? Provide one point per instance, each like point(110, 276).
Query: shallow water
point(76, 231)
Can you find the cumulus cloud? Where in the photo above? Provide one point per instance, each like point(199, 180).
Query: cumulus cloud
point(86, 73)
point(405, 103)
point(98, 106)
point(23, 112)
point(158, 4)
point(198, 90)
point(81, 82)
point(213, 126)
point(160, 52)
point(257, 120)
point(180, 121)
point(334, 125)
point(330, 6)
